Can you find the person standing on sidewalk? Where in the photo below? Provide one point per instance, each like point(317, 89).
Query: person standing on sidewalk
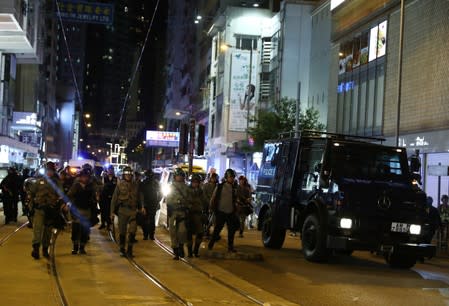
point(124, 204)
point(45, 202)
point(109, 184)
point(149, 195)
point(177, 210)
point(224, 204)
point(83, 196)
point(197, 213)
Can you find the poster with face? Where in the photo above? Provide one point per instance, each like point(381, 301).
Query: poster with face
point(382, 39)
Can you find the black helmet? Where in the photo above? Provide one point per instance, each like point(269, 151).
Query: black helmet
point(149, 173)
point(196, 177)
point(180, 172)
point(50, 166)
point(85, 172)
point(127, 170)
point(87, 166)
point(229, 172)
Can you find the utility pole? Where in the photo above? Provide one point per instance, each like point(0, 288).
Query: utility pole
point(248, 97)
point(401, 44)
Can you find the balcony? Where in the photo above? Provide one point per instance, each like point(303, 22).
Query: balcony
point(18, 29)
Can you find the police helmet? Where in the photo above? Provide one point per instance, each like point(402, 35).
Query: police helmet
point(127, 171)
point(149, 173)
point(111, 169)
point(50, 166)
point(85, 172)
point(196, 177)
point(180, 172)
point(87, 166)
point(229, 173)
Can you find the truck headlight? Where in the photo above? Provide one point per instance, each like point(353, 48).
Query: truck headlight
point(165, 190)
point(345, 223)
point(415, 229)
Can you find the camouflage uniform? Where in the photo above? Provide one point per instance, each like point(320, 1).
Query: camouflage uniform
point(197, 212)
point(124, 204)
point(45, 195)
point(177, 208)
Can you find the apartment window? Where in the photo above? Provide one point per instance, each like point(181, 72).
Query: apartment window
point(246, 42)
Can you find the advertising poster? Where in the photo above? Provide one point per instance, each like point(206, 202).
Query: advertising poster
point(162, 139)
point(373, 44)
point(382, 39)
point(243, 96)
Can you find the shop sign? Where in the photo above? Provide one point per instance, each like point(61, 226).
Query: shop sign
point(162, 139)
point(86, 12)
point(26, 119)
point(438, 170)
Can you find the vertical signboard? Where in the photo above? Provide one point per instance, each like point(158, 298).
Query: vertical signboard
point(86, 12)
point(76, 129)
point(243, 95)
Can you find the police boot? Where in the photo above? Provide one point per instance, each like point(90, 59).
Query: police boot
point(211, 244)
point(196, 248)
point(45, 251)
point(176, 253)
point(189, 250)
point(75, 248)
point(129, 251)
point(122, 245)
point(35, 252)
point(82, 249)
point(181, 250)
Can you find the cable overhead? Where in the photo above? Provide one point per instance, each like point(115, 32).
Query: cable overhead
point(70, 58)
point(122, 112)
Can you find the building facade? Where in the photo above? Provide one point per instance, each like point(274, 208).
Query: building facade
point(365, 87)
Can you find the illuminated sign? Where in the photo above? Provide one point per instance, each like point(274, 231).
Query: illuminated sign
point(335, 3)
point(162, 139)
point(345, 86)
point(26, 119)
point(86, 12)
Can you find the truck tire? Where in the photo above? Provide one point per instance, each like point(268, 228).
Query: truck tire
point(313, 239)
point(400, 261)
point(272, 234)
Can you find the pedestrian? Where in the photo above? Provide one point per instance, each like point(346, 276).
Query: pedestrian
point(444, 215)
point(125, 204)
point(224, 204)
point(23, 196)
point(208, 189)
point(149, 195)
point(177, 211)
point(244, 205)
point(197, 215)
point(46, 195)
point(10, 186)
point(109, 184)
point(83, 198)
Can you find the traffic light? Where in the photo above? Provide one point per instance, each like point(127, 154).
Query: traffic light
point(200, 140)
point(184, 138)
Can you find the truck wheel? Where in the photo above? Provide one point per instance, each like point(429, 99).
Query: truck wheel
point(400, 261)
point(272, 234)
point(313, 239)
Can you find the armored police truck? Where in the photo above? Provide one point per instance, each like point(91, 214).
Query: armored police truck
point(342, 193)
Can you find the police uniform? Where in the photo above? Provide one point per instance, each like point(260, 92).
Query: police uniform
point(197, 211)
point(45, 195)
point(124, 203)
point(177, 207)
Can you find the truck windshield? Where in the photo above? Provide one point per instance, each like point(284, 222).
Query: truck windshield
point(368, 162)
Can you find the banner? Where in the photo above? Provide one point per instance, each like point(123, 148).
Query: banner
point(86, 12)
point(243, 95)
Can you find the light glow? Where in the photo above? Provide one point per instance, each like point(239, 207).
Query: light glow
point(415, 229)
point(346, 223)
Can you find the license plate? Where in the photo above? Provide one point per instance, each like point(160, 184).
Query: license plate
point(400, 227)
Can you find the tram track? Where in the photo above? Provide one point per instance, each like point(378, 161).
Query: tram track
point(191, 265)
point(8, 236)
point(61, 298)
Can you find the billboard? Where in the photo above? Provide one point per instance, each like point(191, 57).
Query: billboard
point(86, 12)
point(162, 139)
point(243, 96)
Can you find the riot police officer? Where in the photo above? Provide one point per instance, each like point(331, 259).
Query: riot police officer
point(109, 183)
point(197, 214)
point(149, 193)
point(45, 202)
point(177, 211)
point(124, 204)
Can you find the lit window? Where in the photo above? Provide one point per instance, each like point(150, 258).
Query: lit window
point(126, 9)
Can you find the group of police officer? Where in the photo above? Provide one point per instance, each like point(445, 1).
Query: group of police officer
point(54, 198)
